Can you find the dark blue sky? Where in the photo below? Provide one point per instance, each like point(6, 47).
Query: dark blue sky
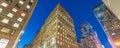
point(80, 11)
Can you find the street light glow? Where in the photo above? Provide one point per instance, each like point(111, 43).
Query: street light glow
point(117, 43)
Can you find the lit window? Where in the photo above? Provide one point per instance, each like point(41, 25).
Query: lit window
point(14, 10)
point(68, 46)
point(23, 14)
point(4, 4)
point(16, 25)
point(28, 6)
point(10, 15)
point(21, 2)
point(1, 9)
point(58, 33)
point(31, 0)
point(53, 40)
point(3, 42)
point(5, 20)
point(45, 45)
point(113, 33)
point(6, 30)
point(58, 42)
point(12, 32)
point(20, 19)
point(39, 47)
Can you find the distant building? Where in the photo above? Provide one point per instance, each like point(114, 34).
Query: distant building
point(110, 24)
point(14, 16)
point(89, 36)
point(57, 32)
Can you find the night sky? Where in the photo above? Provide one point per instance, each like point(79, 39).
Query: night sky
point(80, 10)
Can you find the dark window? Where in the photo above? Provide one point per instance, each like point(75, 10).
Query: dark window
point(10, 1)
point(30, 3)
point(26, 10)
point(18, 5)
point(24, 0)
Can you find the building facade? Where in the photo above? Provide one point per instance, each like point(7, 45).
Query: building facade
point(89, 36)
point(80, 45)
point(57, 31)
point(25, 46)
point(110, 23)
point(14, 16)
point(114, 6)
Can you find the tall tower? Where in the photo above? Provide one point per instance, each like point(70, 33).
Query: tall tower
point(89, 36)
point(114, 6)
point(14, 16)
point(110, 23)
point(57, 32)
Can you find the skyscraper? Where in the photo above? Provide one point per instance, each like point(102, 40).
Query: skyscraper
point(89, 36)
point(57, 31)
point(14, 16)
point(110, 24)
point(114, 6)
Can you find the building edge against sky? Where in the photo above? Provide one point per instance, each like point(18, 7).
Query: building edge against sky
point(114, 6)
point(57, 31)
point(14, 16)
point(110, 24)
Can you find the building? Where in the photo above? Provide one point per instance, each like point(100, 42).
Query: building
point(14, 16)
point(89, 36)
point(110, 24)
point(114, 6)
point(57, 31)
point(25, 46)
point(80, 45)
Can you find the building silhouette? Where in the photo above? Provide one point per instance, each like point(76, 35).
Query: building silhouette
point(14, 16)
point(57, 31)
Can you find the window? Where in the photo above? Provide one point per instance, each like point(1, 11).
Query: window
point(16, 25)
point(31, 0)
point(1, 10)
point(3, 42)
point(21, 2)
point(113, 33)
point(12, 32)
point(10, 15)
point(30, 3)
point(28, 6)
point(18, 5)
point(9, 1)
point(45, 45)
point(6, 30)
point(5, 20)
point(23, 14)
point(26, 10)
point(58, 42)
point(4, 4)
point(53, 40)
point(20, 19)
point(14, 10)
